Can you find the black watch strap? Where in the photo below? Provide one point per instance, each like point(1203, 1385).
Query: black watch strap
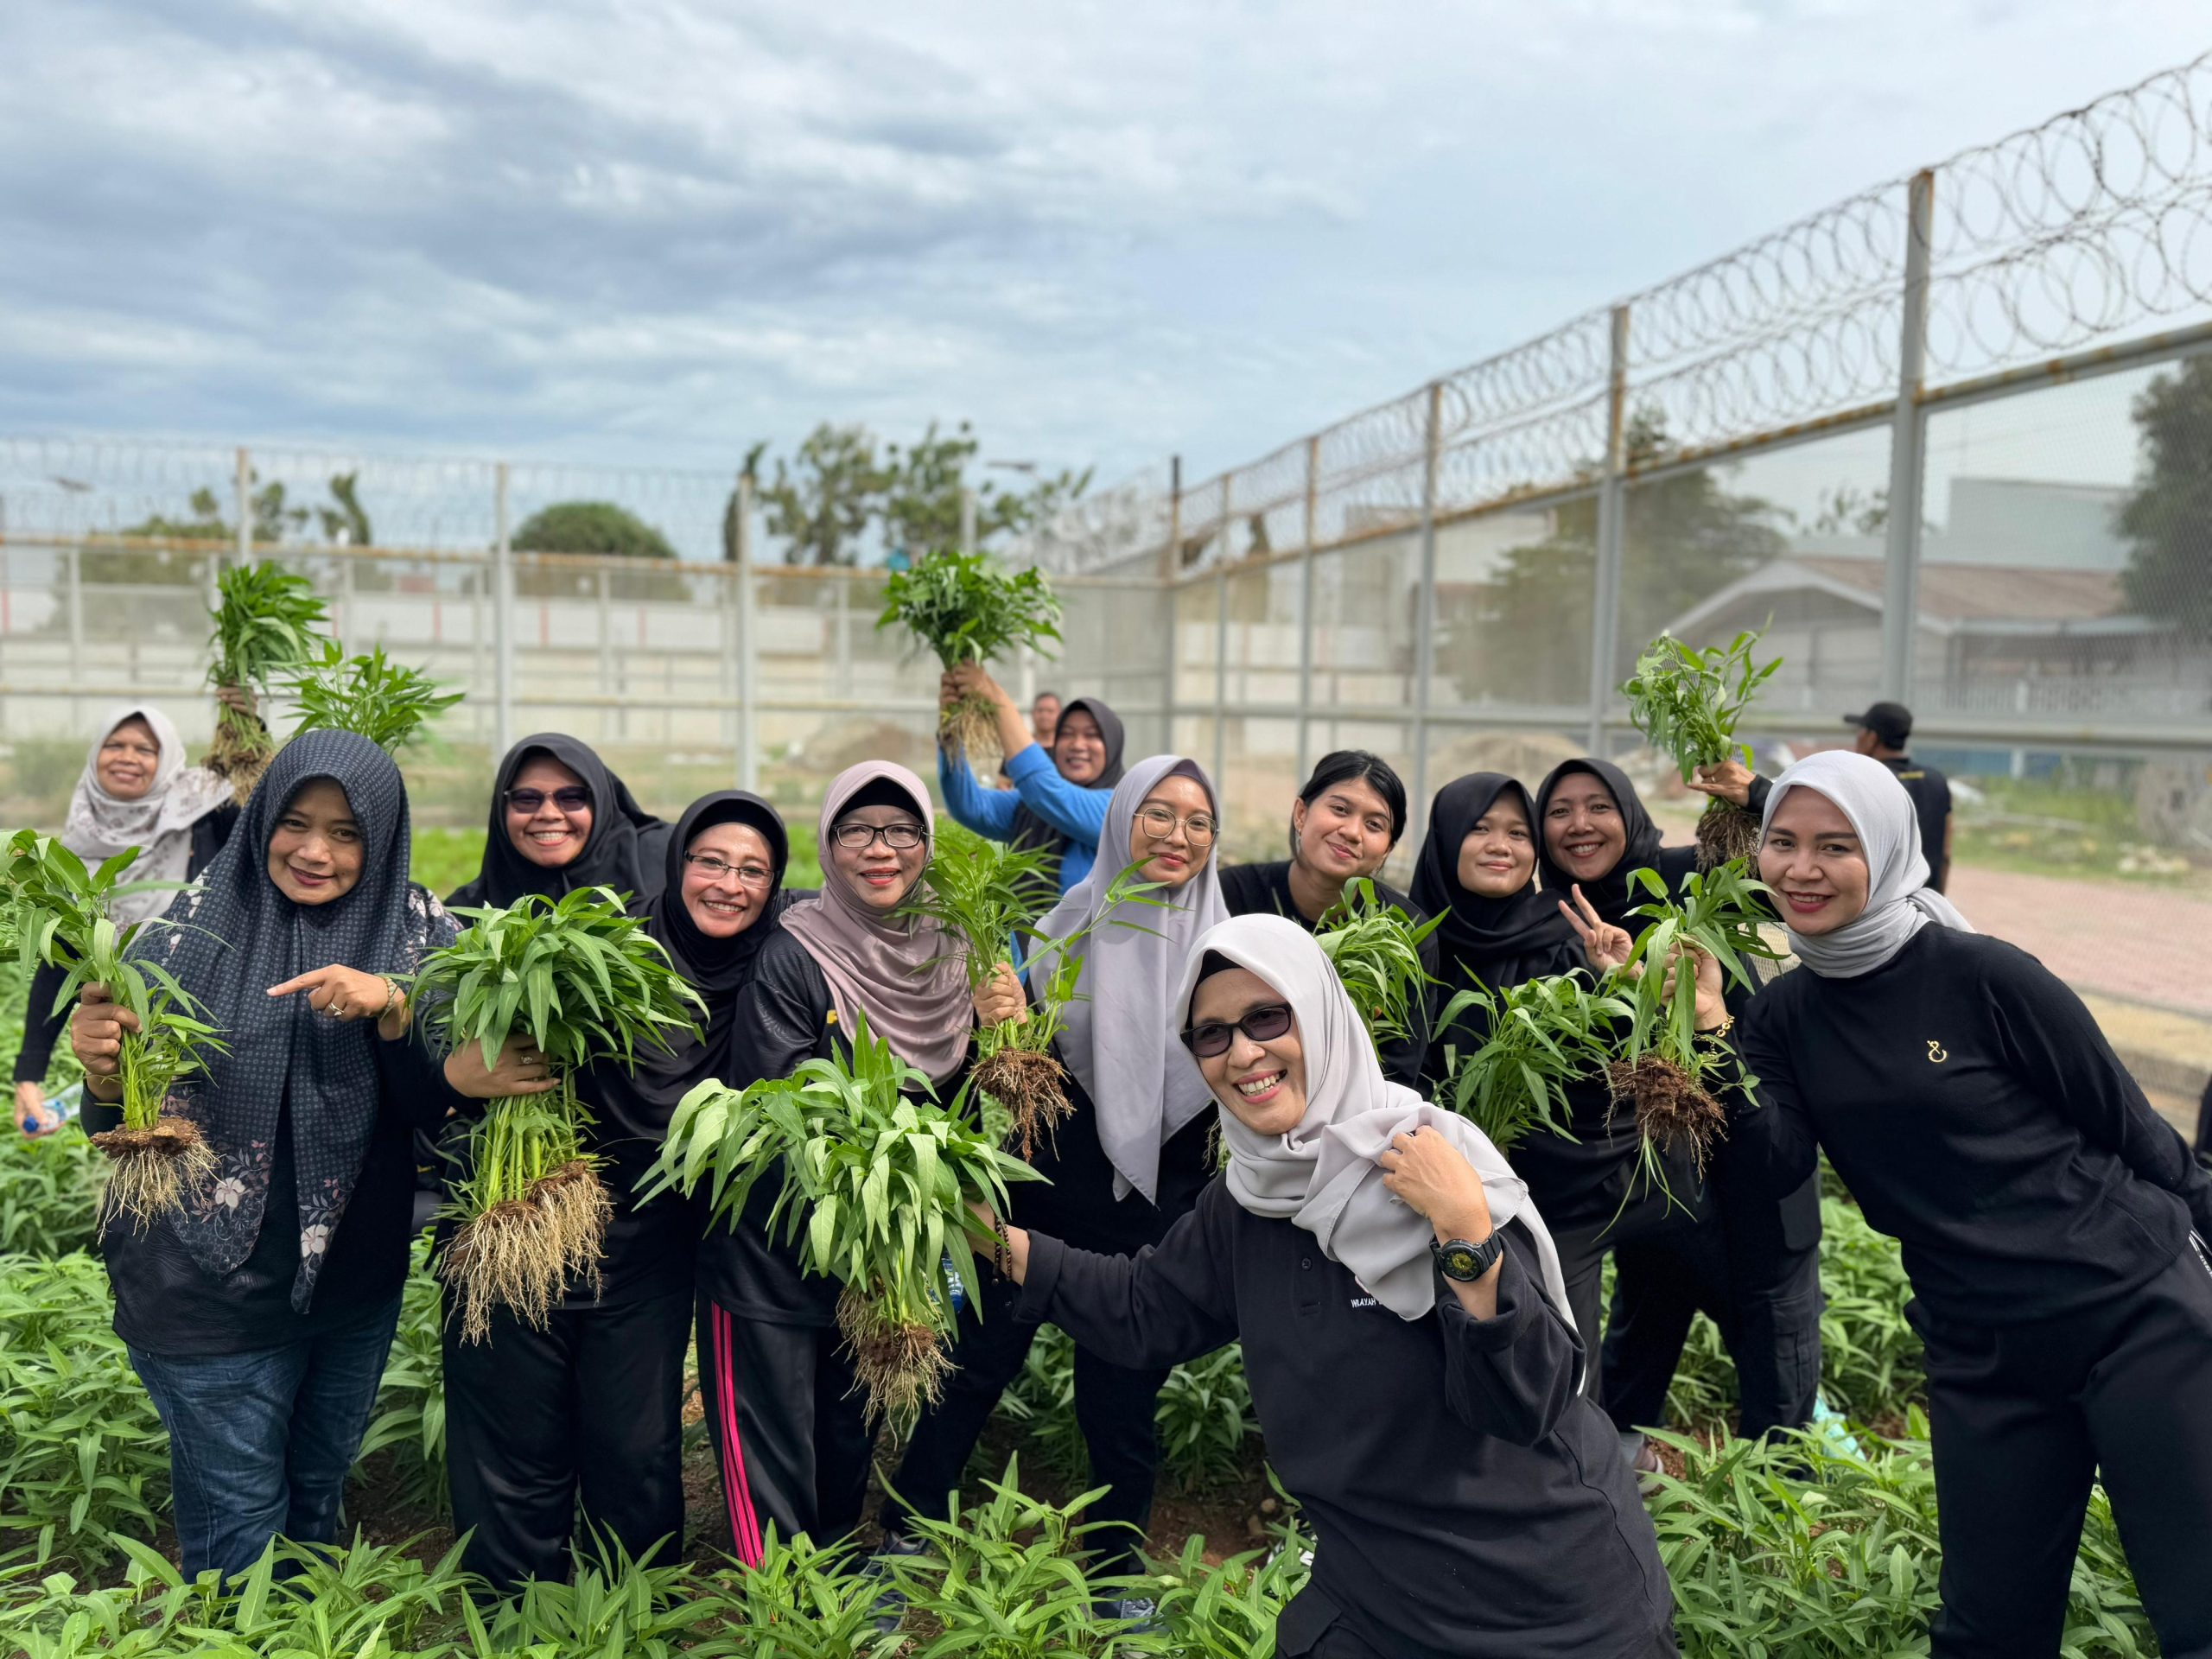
point(1458, 1259)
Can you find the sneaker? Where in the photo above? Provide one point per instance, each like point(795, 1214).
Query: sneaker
point(1141, 1614)
point(890, 1604)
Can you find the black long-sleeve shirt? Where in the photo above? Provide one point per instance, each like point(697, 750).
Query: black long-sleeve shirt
point(167, 1304)
point(1264, 890)
point(1979, 1117)
point(43, 1023)
point(1466, 1498)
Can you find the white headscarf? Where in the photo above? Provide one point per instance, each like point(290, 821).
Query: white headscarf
point(1899, 901)
point(1117, 1038)
point(1322, 1176)
point(100, 825)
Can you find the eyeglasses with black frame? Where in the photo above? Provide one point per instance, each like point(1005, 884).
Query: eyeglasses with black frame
point(717, 869)
point(858, 837)
point(1212, 1037)
point(574, 799)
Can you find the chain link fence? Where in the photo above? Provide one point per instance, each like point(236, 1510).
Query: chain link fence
point(1948, 440)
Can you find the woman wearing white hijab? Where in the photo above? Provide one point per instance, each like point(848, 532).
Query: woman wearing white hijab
point(2052, 1223)
point(1128, 1161)
point(1405, 1332)
point(136, 791)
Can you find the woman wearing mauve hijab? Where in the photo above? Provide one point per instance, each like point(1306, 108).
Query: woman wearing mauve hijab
point(560, 821)
point(1749, 1261)
point(588, 1410)
point(1128, 1161)
point(1405, 1331)
point(2053, 1225)
point(788, 1420)
point(259, 1314)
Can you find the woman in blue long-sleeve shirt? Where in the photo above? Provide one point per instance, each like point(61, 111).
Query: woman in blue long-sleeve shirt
point(1058, 803)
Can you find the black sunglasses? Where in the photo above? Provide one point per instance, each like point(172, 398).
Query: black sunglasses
point(572, 799)
point(1262, 1024)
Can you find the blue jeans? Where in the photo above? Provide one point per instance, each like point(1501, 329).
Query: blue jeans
point(260, 1442)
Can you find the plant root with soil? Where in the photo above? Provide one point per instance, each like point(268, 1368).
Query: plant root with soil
point(1673, 1111)
point(523, 1253)
point(153, 1170)
point(900, 1364)
point(1032, 1087)
point(239, 758)
point(1726, 832)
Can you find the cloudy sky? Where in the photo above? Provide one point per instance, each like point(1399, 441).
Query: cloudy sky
point(656, 232)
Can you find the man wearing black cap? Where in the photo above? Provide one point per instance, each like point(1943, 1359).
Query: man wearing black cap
point(1884, 730)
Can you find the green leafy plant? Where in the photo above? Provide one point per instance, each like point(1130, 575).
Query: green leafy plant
point(1664, 1066)
point(1376, 950)
point(582, 980)
point(265, 619)
point(1687, 703)
point(50, 1189)
point(410, 1409)
point(1539, 1036)
point(62, 916)
point(1228, 1611)
point(969, 608)
point(371, 695)
point(877, 1177)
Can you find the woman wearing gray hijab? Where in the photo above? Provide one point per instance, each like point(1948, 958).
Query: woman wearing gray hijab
point(136, 791)
point(792, 1439)
point(1128, 1161)
point(1405, 1330)
point(2053, 1225)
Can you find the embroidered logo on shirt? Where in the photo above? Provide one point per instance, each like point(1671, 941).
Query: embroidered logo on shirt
point(1937, 1053)
point(1362, 1301)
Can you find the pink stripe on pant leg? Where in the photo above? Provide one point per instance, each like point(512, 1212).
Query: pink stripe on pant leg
point(744, 1526)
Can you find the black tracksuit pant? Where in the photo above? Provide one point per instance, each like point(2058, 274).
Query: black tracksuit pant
point(1583, 1246)
point(589, 1407)
point(1117, 1408)
point(2025, 1417)
point(790, 1428)
point(1753, 1267)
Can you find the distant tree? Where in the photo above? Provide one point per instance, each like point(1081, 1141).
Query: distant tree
point(822, 505)
point(1849, 511)
point(2169, 517)
point(590, 527)
point(1686, 537)
point(273, 521)
point(347, 523)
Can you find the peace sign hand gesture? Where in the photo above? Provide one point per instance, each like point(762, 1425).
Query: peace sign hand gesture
point(1606, 946)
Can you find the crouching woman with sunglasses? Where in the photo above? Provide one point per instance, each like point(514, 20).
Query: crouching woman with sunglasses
point(1405, 1332)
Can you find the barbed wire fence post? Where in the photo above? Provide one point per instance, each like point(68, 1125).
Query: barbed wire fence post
point(1221, 645)
point(1307, 623)
point(1612, 510)
point(1425, 614)
point(748, 725)
point(503, 614)
point(1908, 457)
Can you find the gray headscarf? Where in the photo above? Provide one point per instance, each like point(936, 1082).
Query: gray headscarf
point(900, 970)
point(1116, 1038)
point(1322, 1176)
point(1899, 901)
point(100, 825)
point(238, 935)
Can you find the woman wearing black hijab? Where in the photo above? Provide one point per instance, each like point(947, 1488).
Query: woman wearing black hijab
point(1344, 825)
point(591, 1407)
point(1058, 805)
point(560, 820)
point(259, 1314)
point(1750, 1261)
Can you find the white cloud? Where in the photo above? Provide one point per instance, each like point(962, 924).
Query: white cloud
point(657, 231)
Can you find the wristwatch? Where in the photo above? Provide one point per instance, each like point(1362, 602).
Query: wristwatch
point(1458, 1259)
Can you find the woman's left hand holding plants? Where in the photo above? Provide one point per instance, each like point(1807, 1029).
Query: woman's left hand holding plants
point(349, 993)
point(520, 1070)
point(1000, 998)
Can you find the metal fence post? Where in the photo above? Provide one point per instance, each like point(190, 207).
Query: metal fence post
point(1908, 473)
point(1221, 645)
point(748, 730)
point(967, 519)
point(242, 488)
point(73, 559)
point(603, 598)
point(503, 620)
point(1171, 569)
point(1425, 614)
point(1612, 510)
point(1306, 605)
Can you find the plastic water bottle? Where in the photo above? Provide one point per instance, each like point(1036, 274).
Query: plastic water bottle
point(60, 1109)
point(959, 1292)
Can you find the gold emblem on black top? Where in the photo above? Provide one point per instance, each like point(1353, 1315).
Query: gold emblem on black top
point(1937, 1053)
